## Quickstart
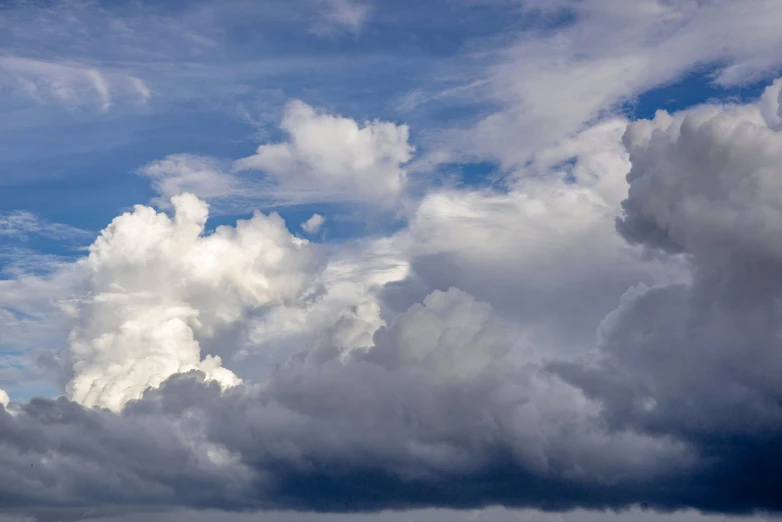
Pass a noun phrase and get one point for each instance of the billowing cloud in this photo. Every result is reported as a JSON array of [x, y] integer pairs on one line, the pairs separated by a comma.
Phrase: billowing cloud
[[597, 330], [157, 285], [397, 390], [334, 158], [515, 249], [434, 404], [698, 361]]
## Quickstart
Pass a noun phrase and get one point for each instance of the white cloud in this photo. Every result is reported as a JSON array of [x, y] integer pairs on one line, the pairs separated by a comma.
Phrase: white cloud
[[73, 85], [550, 84], [4, 399], [770, 104], [545, 252], [345, 15], [333, 158], [203, 176], [313, 224], [326, 159], [158, 286], [343, 306], [22, 224]]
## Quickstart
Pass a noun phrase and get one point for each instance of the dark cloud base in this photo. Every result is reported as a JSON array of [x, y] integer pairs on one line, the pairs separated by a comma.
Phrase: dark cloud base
[[134, 462]]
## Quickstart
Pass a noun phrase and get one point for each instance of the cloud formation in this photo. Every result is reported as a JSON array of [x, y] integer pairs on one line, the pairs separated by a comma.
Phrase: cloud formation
[[327, 158], [22, 224], [396, 393], [550, 83], [73, 85], [597, 330], [157, 285], [697, 361], [434, 404], [333, 157], [348, 15], [313, 224]]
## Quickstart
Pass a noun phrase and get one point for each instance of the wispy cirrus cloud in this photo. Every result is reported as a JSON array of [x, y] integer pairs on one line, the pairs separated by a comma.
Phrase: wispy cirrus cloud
[[340, 15], [23, 225], [72, 85]]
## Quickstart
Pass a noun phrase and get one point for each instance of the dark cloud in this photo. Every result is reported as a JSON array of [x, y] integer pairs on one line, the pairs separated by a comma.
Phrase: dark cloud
[[435, 414], [699, 362]]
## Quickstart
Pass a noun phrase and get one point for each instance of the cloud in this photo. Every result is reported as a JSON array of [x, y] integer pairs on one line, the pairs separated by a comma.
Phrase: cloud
[[391, 401], [157, 286], [331, 158], [326, 159], [598, 332], [697, 361], [343, 306], [514, 248], [313, 224], [22, 224], [549, 84], [72, 85], [4, 399], [205, 177], [346, 15], [398, 416]]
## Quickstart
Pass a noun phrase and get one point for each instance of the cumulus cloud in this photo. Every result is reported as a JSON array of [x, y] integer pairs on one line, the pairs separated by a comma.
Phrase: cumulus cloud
[[343, 306], [313, 224], [600, 332], [334, 158], [433, 404], [388, 400], [698, 360], [158, 284], [327, 158], [515, 249]]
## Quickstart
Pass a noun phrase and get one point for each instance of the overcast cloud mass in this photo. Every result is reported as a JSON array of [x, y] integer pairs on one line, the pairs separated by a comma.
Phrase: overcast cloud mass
[[343, 260]]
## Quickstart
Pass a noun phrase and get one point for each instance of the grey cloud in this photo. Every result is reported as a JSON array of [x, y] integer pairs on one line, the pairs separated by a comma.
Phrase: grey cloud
[[699, 362], [434, 414]]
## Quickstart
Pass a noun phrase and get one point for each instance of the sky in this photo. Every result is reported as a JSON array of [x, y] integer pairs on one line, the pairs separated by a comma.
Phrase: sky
[[355, 260]]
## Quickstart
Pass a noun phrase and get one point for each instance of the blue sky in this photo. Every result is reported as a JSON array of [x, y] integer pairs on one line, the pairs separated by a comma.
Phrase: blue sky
[[219, 78], [506, 200]]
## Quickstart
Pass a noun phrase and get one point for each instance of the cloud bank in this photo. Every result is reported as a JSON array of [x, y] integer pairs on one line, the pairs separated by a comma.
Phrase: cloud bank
[[678, 398], [598, 329]]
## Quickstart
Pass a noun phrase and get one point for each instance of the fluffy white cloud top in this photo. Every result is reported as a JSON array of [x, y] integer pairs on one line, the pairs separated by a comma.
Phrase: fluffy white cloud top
[[157, 284]]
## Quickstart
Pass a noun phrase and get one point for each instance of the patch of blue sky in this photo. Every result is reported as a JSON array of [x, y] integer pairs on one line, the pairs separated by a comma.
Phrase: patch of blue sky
[[219, 79], [695, 88], [21, 377]]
